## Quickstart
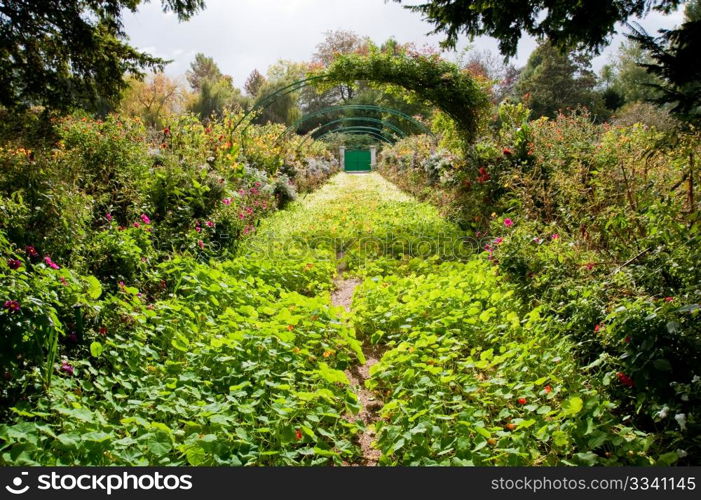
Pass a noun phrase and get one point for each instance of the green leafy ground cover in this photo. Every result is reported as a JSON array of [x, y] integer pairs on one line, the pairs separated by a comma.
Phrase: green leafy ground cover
[[241, 362]]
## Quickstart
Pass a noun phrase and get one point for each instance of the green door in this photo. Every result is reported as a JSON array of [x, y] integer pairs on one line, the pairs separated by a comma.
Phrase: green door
[[357, 160]]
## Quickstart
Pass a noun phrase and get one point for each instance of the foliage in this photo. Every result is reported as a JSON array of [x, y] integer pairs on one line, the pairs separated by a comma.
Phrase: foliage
[[429, 78], [567, 24], [553, 81], [73, 53]]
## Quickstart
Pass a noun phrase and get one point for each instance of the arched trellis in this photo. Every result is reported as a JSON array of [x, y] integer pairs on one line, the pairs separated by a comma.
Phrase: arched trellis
[[311, 135], [356, 107], [363, 119], [359, 131]]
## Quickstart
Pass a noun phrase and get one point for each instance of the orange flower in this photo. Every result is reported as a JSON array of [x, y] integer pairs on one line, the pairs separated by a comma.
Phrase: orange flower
[[290, 327]]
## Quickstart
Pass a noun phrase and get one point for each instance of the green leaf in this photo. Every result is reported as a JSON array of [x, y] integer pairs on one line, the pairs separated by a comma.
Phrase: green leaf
[[332, 376], [572, 406], [195, 456], [96, 349], [94, 287]]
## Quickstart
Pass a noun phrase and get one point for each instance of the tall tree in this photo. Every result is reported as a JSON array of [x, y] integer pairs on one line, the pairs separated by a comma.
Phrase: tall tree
[[337, 43], [626, 79], [676, 62], [552, 81], [69, 53], [254, 82], [203, 68], [153, 99]]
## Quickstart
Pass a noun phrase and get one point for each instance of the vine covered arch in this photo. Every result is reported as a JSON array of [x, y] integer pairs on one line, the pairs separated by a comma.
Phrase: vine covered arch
[[442, 83], [429, 78]]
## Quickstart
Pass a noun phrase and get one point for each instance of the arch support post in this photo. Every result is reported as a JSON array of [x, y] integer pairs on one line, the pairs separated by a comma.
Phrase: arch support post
[[373, 157], [342, 154]]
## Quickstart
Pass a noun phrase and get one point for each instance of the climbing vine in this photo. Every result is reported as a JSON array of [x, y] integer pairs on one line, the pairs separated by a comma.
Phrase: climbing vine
[[429, 78]]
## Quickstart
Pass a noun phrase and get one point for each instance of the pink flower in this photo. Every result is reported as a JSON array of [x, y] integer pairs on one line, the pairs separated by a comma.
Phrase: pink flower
[[108, 216], [145, 219], [257, 184], [200, 243], [555, 236], [242, 215], [12, 306], [137, 225], [248, 229], [198, 229], [209, 223], [67, 368], [226, 201], [508, 222], [14, 264], [669, 299], [537, 240], [121, 285], [254, 191], [51, 263], [499, 240]]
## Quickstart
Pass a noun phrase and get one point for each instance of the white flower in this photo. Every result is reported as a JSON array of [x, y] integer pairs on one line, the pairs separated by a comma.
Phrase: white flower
[[682, 453], [681, 420], [663, 412], [695, 379]]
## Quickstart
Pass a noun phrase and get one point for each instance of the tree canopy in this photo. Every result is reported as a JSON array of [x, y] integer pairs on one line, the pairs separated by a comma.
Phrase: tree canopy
[[566, 23], [71, 53]]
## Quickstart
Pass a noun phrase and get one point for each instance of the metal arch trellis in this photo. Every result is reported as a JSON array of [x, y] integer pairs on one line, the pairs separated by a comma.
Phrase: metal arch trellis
[[362, 119], [356, 107], [266, 100], [358, 130]]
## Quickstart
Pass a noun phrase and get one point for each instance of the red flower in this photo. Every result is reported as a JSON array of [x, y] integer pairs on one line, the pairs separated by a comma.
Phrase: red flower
[[166, 131], [298, 434], [12, 306], [597, 328], [103, 331], [547, 388], [14, 264], [669, 299], [31, 251], [522, 401], [627, 339], [589, 265], [625, 379], [507, 152], [508, 222]]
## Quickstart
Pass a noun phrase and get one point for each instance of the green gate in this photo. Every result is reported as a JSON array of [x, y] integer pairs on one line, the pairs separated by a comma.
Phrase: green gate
[[357, 160]]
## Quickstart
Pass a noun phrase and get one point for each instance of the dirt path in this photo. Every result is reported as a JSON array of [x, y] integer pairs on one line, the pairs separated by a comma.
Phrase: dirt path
[[358, 374]]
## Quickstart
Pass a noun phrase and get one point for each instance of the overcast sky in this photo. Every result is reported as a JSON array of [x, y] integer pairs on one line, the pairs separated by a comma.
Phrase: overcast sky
[[242, 35]]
